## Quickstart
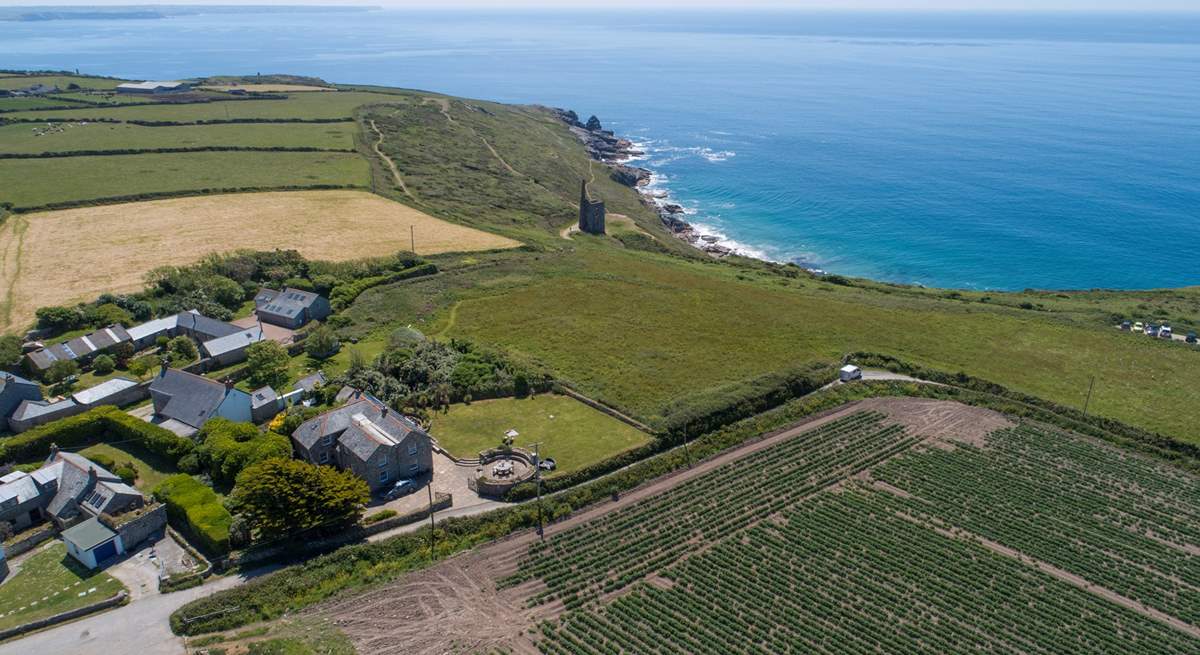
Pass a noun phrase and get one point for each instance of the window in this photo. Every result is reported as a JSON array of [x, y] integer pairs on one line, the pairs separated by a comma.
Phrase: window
[[383, 460], [412, 449], [383, 476], [324, 458], [327, 440], [414, 468]]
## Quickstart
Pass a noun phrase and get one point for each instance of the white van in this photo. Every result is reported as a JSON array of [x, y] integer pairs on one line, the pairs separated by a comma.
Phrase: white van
[[850, 372]]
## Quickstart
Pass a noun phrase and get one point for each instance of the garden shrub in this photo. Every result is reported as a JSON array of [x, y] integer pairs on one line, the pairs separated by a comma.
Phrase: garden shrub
[[379, 516], [196, 511], [227, 447]]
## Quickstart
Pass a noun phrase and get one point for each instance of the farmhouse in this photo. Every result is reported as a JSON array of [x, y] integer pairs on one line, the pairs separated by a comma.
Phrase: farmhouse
[[153, 87], [290, 308], [367, 438], [67, 488], [184, 401]]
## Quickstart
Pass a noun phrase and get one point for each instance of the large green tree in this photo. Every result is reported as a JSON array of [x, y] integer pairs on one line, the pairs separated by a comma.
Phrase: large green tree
[[268, 364], [278, 497]]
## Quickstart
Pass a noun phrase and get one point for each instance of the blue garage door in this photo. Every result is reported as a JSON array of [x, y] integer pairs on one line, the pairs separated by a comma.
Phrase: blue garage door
[[105, 551]]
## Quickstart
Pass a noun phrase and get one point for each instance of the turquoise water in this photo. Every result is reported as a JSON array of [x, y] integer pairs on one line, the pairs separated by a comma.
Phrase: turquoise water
[[997, 151]]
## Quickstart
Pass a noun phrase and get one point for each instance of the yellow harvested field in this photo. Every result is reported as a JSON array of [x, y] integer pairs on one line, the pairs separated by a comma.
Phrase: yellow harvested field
[[267, 88], [59, 257]]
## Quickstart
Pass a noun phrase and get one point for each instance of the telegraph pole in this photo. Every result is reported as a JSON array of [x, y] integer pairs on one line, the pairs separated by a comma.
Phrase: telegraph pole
[[412, 238], [1088, 401], [686, 452], [537, 459], [432, 552]]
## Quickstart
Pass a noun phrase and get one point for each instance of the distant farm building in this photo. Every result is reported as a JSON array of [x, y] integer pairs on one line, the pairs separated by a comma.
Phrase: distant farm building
[[151, 87]]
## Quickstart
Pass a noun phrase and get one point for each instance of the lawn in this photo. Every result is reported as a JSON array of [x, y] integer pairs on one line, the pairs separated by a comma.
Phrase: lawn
[[296, 105], [32, 102], [49, 582], [36, 182], [60, 137], [574, 434], [151, 468]]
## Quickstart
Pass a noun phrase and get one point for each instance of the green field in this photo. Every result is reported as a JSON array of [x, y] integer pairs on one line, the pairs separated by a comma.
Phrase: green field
[[35, 182], [572, 433], [151, 468], [49, 582], [61, 137], [61, 81], [25, 103], [642, 332], [781, 549], [297, 105]]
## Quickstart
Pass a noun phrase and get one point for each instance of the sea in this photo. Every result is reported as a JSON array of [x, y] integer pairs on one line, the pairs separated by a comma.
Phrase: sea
[[969, 150]]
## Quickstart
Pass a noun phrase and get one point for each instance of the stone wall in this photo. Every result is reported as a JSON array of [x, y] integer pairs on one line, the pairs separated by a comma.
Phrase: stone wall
[[63, 617], [29, 541], [141, 524]]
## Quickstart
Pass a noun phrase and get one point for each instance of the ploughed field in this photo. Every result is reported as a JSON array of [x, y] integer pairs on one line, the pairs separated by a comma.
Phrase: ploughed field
[[890, 526]]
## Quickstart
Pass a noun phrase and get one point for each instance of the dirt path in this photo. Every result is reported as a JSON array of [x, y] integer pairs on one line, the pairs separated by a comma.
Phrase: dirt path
[[444, 107], [391, 164]]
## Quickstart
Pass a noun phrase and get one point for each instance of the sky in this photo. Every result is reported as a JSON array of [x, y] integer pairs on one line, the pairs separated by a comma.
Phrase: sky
[[902, 5]]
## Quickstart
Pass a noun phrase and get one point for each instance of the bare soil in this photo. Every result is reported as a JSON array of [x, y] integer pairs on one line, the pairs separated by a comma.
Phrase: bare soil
[[127, 240]]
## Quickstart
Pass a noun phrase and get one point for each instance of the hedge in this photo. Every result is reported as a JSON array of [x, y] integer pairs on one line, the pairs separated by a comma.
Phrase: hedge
[[105, 423], [158, 195], [195, 510], [152, 151], [343, 294]]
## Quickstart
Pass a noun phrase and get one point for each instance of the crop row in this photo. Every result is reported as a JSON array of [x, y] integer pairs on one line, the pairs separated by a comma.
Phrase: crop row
[[623, 547], [843, 574], [1113, 519]]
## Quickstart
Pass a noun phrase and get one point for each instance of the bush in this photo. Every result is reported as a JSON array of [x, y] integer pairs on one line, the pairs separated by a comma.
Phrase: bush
[[227, 447], [127, 472], [342, 295], [321, 343], [268, 363], [61, 371], [280, 497], [104, 461], [182, 350], [59, 318], [196, 511], [105, 423], [104, 364]]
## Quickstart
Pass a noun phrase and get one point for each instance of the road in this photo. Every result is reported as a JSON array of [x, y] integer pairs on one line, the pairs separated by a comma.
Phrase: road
[[141, 627]]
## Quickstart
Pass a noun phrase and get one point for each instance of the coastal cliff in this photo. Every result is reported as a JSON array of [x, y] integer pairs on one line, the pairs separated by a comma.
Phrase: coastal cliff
[[606, 147]]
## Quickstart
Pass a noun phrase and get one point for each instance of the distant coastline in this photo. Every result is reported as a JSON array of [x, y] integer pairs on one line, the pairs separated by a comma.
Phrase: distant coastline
[[44, 13]]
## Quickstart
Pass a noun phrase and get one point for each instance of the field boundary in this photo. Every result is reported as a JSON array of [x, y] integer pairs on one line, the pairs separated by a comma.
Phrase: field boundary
[[165, 151], [63, 617]]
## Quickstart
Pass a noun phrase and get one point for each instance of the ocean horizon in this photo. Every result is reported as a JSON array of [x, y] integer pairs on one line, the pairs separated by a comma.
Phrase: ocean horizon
[[969, 150]]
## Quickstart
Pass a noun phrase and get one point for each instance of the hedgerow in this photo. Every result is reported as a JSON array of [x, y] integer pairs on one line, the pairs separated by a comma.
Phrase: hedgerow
[[196, 510], [105, 423], [343, 294]]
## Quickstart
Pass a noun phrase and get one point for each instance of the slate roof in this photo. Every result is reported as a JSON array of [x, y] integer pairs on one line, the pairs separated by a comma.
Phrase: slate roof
[[21, 487], [310, 382], [103, 390], [88, 534], [189, 398], [229, 343], [33, 408], [151, 328], [208, 328], [263, 396], [361, 427], [7, 379], [289, 302], [82, 346], [74, 482]]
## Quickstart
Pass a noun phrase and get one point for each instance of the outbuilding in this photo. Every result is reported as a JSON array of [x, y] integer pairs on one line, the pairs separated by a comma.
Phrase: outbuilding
[[850, 372], [92, 543]]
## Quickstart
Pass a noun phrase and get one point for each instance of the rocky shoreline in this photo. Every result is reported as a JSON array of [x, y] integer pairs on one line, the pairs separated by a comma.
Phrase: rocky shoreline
[[606, 147]]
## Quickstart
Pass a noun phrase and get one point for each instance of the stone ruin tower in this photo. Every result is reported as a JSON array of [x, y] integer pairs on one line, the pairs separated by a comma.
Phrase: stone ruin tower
[[591, 212]]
